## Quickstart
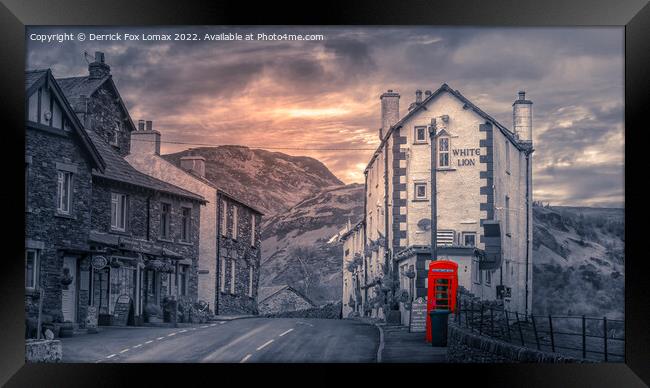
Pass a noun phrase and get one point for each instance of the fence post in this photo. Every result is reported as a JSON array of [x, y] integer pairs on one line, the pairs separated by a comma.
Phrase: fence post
[[550, 325], [532, 318], [584, 337], [480, 325], [508, 325], [521, 334], [605, 337]]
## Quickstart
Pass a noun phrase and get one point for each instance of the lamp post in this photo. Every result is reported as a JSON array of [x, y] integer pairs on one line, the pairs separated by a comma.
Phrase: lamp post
[[434, 210]]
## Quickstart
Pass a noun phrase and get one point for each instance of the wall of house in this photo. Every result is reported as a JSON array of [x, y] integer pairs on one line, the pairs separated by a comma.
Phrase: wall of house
[[285, 300], [44, 228], [243, 253], [158, 167], [353, 245], [105, 116]]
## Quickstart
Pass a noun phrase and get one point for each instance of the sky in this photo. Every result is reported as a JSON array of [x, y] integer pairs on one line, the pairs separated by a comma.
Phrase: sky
[[321, 98]]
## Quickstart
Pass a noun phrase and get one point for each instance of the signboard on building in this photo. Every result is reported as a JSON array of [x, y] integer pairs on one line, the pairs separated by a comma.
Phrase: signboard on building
[[121, 311], [99, 262], [418, 322], [91, 319]]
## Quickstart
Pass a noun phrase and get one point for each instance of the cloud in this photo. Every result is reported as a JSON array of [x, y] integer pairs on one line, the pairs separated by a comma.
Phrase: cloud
[[325, 94]]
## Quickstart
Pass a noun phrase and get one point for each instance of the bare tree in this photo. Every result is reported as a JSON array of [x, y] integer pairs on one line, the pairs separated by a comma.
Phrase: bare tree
[[309, 276]]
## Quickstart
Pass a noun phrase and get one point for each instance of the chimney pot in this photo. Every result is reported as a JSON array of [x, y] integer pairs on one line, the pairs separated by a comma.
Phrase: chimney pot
[[140, 125], [522, 95], [418, 96], [389, 111], [98, 69], [149, 126], [427, 93]]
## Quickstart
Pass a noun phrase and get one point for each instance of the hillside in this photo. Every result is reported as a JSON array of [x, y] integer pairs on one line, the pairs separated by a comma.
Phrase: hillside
[[272, 181], [579, 261], [297, 246]]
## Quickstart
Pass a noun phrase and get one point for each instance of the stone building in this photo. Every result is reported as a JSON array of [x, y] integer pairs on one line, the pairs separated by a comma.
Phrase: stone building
[[483, 197], [277, 299], [59, 160], [353, 269], [144, 232], [229, 243]]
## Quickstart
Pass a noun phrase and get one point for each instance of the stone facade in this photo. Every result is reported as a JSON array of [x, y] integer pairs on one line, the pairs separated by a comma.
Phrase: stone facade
[[145, 156], [241, 248], [483, 176], [51, 234], [43, 351], [284, 300]]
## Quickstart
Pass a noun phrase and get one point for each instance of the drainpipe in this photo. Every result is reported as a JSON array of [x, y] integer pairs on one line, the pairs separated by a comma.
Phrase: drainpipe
[[528, 182], [218, 274], [434, 210], [363, 252]]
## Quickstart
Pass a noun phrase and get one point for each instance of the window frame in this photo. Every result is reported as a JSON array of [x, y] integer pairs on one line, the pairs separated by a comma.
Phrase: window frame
[[224, 218], [507, 157], [165, 230], [466, 234], [477, 276], [415, 191], [250, 281], [235, 222], [506, 210], [186, 224], [488, 278], [253, 230], [416, 139], [35, 269], [61, 174], [124, 211], [223, 275], [440, 153], [233, 271]]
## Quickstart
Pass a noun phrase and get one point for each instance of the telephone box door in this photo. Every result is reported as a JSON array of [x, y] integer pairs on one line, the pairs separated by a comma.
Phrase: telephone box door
[[442, 283]]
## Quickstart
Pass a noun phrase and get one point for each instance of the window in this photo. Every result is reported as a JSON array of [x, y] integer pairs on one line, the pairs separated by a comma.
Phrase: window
[[476, 272], [253, 237], [31, 268], [232, 276], [165, 218], [186, 222], [118, 211], [488, 278], [224, 218], [443, 152], [115, 134], [421, 190], [182, 280], [250, 281], [223, 274], [507, 157], [469, 239], [64, 192], [420, 134], [507, 215], [235, 225]]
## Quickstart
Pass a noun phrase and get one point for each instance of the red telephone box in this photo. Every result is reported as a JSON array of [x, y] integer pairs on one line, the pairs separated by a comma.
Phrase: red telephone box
[[442, 281]]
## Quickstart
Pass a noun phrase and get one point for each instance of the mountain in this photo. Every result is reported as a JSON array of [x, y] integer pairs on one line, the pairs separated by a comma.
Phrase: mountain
[[272, 181], [578, 261], [298, 248]]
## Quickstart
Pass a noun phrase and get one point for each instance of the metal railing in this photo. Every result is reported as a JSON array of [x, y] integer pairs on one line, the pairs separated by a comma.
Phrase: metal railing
[[596, 339]]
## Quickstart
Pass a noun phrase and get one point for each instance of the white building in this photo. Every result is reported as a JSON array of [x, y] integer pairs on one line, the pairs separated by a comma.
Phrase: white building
[[482, 183]]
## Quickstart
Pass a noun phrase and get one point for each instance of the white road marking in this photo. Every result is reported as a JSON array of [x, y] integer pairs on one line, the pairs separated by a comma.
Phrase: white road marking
[[246, 358], [160, 338], [137, 346], [304, 323], [213, 325], [222, 322], [265, 344], [111, 356], [171, 334], [148, 342], [286, 332], [182, 331], [204, 327], [124, 350]]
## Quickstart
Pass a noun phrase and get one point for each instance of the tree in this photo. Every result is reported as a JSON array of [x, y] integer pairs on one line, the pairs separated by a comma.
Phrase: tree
[[309, 277]]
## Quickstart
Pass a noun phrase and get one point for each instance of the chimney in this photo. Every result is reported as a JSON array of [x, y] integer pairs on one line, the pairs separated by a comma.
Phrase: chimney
[[194, 164], [389, 111], [418, 96], [98, 69], [427, 93], [522, 118], [145, 141]]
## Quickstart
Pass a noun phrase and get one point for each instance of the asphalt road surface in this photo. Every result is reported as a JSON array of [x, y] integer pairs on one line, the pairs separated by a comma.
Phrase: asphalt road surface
[[242, 340]]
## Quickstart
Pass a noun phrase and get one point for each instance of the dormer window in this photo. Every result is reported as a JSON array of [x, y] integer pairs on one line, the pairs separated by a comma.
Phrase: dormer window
[[443, 151]]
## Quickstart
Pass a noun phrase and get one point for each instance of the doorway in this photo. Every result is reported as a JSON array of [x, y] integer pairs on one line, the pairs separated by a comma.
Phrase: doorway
[[69, 292]]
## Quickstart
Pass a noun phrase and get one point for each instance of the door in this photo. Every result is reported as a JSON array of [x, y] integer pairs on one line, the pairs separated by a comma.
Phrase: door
[[69, 295]]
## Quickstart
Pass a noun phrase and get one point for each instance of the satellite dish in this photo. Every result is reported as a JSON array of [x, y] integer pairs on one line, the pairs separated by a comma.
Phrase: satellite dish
[[424, 224]]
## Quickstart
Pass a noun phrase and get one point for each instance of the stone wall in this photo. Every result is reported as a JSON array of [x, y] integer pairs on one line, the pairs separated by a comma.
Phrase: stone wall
[[106, 117], [328, 311], [463, 346], [43, 351], [243, 253], [285, 300]]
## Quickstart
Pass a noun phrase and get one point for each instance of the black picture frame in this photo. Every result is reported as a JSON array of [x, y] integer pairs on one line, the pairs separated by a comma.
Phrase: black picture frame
[[633, 14]]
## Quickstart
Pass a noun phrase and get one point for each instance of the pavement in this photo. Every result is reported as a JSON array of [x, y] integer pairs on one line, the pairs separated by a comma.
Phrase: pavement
[[230, 340], [399, 345]]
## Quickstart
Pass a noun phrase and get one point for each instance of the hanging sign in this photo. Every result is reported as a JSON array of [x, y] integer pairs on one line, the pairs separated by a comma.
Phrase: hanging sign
[[99, 262]]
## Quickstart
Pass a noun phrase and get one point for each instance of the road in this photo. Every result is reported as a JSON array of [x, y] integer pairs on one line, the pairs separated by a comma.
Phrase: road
[[241, 340]]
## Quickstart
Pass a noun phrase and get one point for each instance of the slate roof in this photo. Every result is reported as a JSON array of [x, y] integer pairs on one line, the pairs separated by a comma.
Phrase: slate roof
[[31, 76], [265, 293], [118, 169], [76, 86]]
